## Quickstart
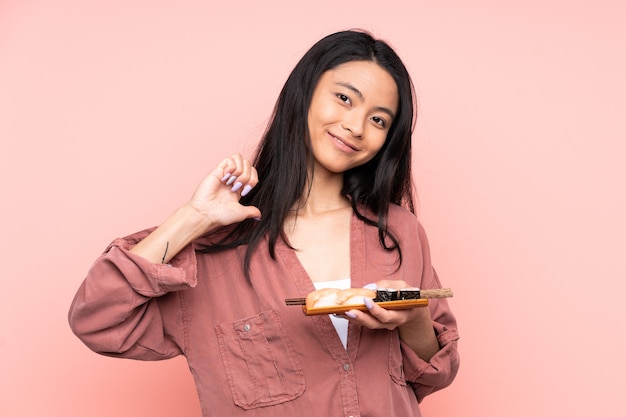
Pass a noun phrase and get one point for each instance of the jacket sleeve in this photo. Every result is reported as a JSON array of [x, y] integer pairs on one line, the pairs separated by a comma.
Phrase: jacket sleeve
[[440, 371], [129, 307]]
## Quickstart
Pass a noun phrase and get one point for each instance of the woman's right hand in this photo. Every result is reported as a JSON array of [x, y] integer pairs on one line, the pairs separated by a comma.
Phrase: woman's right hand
[[215, 203], [217, 197]]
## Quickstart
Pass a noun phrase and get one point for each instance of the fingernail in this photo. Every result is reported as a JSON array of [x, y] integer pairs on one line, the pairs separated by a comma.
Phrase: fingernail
[[231, 180], [258, 219], [368, 303], [237, 186], [350, 314], [246, 190], [225, 177]]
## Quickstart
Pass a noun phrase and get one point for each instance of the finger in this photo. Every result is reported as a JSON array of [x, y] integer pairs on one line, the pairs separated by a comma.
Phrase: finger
[[378, 317], [240, 162], [375, 310], [253, 180], [241, 176], [246, 180], [366, 320], [396, 284], [252, 212], [227, 168]]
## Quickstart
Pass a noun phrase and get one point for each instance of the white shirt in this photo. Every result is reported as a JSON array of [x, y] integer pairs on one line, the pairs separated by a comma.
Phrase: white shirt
[[341, 325]]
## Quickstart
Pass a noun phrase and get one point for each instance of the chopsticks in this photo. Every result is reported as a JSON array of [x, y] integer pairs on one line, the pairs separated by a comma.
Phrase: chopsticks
[[392, 295]]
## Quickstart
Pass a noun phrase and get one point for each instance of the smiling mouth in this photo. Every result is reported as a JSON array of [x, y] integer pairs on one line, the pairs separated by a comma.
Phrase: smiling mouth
[[341, 142]]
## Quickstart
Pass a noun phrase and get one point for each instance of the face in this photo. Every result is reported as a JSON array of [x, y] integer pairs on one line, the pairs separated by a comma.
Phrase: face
[[351, 111]]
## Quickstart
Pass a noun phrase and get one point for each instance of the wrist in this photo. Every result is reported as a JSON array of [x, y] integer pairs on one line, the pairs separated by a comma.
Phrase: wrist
[[193, 221], [420, 334]]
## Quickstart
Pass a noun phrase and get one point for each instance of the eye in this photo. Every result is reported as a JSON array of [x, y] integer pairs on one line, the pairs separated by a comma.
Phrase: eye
[[344, 98], [379, 121]]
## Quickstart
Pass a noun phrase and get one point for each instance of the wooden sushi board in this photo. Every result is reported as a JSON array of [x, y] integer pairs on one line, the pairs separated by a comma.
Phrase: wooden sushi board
[[390, 299], [389, 305]]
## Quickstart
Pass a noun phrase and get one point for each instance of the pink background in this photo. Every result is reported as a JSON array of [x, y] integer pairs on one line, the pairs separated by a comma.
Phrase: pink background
[[111, 111]]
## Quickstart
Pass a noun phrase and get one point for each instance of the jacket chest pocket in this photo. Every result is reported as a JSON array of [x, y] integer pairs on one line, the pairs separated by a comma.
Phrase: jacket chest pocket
[[260, 362]]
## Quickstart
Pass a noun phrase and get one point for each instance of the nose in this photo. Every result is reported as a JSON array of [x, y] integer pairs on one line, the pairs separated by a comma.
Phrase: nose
[[353, 123]]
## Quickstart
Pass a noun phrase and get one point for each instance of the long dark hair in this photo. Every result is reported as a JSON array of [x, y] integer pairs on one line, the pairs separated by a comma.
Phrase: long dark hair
[[284, 162]]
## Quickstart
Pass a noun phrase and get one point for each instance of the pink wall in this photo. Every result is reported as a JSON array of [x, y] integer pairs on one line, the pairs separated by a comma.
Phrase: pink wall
[[111, 112]]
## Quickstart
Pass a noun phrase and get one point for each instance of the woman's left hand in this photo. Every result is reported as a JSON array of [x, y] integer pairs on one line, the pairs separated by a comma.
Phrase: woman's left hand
[[414, 324], [379, 318]]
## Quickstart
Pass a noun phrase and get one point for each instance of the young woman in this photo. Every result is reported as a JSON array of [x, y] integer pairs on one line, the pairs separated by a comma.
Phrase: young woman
[[326, 203]]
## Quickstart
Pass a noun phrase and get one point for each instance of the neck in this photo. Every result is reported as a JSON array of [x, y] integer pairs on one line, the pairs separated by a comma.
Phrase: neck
[[324, 194]]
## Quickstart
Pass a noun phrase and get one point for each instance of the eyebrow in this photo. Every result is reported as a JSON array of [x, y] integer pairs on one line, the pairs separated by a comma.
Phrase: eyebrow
[[358, 93]]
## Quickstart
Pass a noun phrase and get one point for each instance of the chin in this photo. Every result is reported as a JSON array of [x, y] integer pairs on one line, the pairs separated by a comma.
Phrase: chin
[[332, 168]]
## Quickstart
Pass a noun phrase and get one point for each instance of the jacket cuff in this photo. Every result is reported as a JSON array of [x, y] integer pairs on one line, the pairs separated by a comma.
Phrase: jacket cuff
[[179, 274], [442, 367]]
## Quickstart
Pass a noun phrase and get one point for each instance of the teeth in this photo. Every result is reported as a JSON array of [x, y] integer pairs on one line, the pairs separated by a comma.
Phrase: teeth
[[344, 143]]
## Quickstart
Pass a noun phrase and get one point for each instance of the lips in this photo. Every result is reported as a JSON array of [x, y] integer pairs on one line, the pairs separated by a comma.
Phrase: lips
[[343, 142]]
